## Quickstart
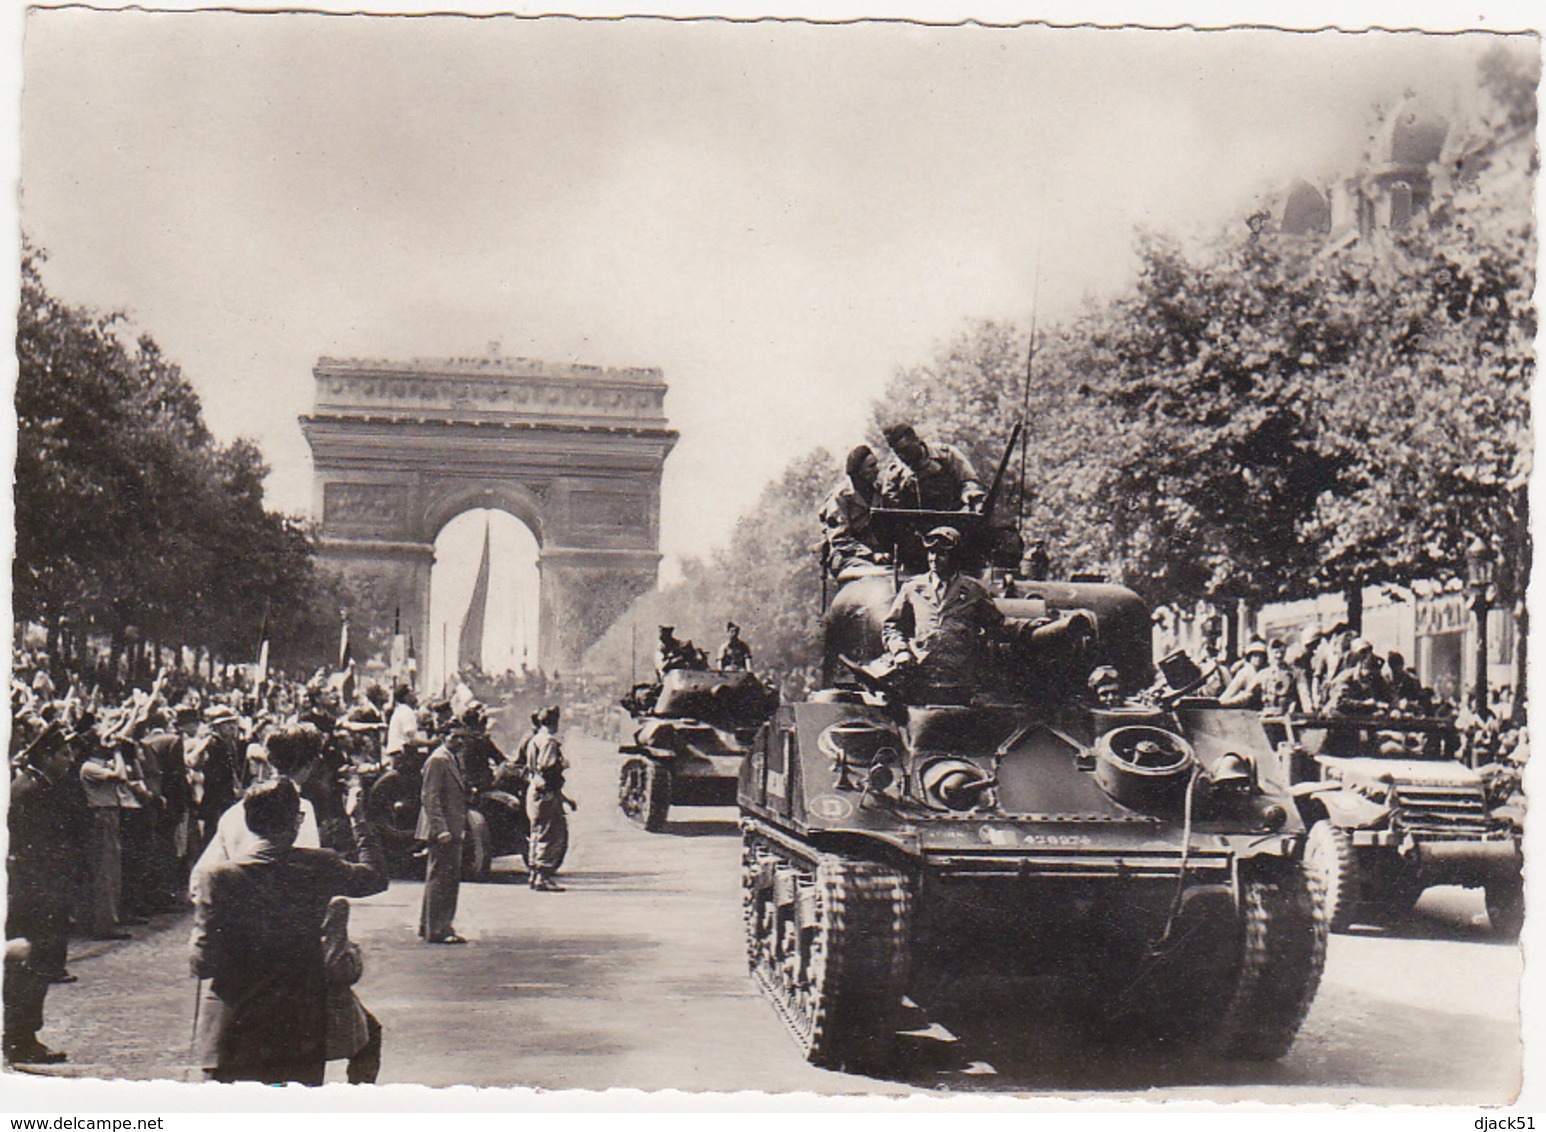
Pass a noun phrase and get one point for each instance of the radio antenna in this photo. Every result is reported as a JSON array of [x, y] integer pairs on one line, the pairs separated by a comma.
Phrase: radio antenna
[[1030, 362]]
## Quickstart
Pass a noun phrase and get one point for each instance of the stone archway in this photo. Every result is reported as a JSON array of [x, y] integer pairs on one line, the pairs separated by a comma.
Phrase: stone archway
[[574, 452]]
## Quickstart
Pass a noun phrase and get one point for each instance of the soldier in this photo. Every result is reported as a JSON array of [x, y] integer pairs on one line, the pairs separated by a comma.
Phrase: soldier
[[545, 803], [847, 540], [1243, 689], [937, 620], [929, 477], [671, 654], [1360, 686], [1405, 687], [734, 654]]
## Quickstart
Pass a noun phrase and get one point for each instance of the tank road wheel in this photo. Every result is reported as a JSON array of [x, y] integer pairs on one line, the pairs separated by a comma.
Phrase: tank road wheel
[[1333, 866], [477, 848], [644, 792], [1282, 954], [757, 867], [828, 946], [1506, 905]]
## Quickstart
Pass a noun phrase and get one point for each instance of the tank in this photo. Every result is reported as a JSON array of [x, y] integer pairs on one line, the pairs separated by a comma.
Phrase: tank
[[693, 732], [1148, 852]]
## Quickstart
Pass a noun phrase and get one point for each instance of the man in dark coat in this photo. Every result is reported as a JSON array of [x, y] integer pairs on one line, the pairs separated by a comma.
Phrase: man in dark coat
[[161, 757], [257, 938], [442, 826], [37, 911]]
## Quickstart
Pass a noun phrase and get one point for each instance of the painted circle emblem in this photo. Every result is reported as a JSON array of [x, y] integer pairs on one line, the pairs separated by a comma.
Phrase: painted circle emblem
[[830, 807]]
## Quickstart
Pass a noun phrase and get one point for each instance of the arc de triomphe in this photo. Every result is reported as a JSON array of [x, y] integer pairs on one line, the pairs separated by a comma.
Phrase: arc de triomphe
[[574, 452]]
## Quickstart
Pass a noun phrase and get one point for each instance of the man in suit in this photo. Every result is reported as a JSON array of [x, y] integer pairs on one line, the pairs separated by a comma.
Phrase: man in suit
[[442, 826], [257, 938]]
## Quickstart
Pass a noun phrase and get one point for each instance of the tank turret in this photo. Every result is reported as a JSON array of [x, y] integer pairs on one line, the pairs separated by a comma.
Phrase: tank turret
[[693, 730], [1042, 821]]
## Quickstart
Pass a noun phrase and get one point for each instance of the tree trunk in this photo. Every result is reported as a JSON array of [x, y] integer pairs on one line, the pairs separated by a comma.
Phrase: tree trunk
[[1521, 667], [1354, 596]]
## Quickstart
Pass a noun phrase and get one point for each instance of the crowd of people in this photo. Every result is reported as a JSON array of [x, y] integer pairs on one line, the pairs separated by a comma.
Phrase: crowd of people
[[1335, 672], [247, 804]]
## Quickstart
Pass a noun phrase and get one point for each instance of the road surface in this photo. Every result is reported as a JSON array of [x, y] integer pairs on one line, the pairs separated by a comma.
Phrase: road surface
[[636, 978]]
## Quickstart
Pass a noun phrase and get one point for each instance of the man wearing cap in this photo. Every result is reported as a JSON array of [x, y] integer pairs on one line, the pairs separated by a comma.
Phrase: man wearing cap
[[442, 826], [218, 760], [929, 477], [734, 654], [847, 539], [937, 619]]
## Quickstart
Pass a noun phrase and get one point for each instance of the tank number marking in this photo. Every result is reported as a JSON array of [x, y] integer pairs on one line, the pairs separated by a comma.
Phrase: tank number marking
[[1058, 839], [831, 807], [776, 783], [1008, 838]]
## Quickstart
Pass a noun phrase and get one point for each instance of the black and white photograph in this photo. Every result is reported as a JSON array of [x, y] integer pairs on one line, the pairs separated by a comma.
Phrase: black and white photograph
[[966, 556]]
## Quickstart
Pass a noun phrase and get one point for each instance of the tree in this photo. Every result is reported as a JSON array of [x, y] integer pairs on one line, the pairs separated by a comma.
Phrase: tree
[[130, 519]]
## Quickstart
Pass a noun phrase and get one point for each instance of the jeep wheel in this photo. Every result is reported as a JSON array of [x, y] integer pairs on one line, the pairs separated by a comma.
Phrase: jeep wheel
[[1506, 905], [1333, 867]]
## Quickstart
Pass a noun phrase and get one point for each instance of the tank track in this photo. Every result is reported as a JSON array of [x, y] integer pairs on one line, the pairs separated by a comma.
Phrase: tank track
[[1283, 951], [827, 942], [644, 792]]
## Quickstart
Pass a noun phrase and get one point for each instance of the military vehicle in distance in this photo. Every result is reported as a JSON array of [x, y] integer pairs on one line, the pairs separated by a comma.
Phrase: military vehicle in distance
[[691, 738], [497, 825], [891, 843], [1392, 810]]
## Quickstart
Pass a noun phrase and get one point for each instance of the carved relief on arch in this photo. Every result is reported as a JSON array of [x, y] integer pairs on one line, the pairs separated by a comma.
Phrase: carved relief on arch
[[373, 507]]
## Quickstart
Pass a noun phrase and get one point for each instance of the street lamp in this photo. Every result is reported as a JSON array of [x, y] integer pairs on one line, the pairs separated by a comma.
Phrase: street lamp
[[1479, 562]]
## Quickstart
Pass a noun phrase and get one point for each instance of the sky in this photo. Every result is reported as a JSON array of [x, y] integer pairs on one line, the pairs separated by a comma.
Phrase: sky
[[778, 215]]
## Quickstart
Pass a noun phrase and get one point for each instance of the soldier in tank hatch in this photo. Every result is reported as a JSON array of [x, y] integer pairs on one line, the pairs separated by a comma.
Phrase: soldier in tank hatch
[[929, 476], [734, 653], [848, 540], [937, 621]]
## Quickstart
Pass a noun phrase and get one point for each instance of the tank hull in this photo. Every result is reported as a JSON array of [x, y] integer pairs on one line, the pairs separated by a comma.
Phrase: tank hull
[[1046, 876]]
